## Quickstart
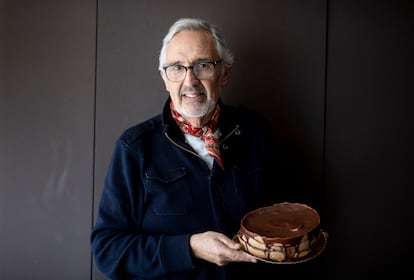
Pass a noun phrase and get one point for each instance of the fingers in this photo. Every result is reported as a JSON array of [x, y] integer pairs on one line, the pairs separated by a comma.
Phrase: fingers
[[229, 242], [218, 248], [236, 255], [231, 251]]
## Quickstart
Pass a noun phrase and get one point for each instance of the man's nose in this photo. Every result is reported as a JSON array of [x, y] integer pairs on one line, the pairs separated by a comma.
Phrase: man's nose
[[190, 78]]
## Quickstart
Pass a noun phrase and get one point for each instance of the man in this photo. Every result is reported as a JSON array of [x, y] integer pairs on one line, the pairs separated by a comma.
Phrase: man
[[179, 183]]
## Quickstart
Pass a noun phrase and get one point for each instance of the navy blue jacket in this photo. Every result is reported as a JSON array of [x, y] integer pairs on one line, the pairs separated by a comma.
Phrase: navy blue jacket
[[158, 192]]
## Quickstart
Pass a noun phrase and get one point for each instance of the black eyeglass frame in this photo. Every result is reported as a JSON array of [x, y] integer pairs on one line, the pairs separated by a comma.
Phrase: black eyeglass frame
[[191, 67]]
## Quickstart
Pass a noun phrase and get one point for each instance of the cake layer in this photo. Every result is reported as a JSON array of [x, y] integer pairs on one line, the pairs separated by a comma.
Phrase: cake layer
[[308, 244]]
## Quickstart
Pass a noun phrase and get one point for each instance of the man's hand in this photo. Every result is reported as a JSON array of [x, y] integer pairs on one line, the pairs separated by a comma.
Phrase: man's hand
[[217, 248]]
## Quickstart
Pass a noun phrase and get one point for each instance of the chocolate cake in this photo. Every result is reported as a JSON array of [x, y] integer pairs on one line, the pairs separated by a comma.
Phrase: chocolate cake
[[283, 232]]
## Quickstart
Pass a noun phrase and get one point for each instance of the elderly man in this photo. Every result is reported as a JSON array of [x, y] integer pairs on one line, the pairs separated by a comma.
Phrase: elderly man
[[179, 183]]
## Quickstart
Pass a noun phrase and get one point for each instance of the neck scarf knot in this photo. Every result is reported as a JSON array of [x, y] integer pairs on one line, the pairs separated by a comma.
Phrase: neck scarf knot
[[206, 133]]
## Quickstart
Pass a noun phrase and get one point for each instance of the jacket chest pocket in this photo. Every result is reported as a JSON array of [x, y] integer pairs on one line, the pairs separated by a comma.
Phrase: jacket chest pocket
[[168, 191]]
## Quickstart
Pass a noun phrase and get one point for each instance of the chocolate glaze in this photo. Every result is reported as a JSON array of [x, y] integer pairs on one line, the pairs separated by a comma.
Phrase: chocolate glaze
[[281, 222]]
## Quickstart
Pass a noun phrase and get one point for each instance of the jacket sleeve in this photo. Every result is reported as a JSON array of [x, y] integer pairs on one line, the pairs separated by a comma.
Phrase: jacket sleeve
[[120, 249]]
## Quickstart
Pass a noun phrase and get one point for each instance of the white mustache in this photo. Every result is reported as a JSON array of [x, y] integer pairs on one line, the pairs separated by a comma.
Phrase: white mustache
[[199, 89]]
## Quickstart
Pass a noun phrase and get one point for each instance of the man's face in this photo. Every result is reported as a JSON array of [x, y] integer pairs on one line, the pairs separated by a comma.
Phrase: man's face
[[194, 98]]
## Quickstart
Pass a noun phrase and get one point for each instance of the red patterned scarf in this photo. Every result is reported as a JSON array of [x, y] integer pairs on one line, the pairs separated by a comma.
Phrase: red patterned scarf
[[206, 133]]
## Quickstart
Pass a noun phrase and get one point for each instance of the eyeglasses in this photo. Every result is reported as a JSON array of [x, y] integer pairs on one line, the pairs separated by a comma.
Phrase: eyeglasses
[[201, 70]]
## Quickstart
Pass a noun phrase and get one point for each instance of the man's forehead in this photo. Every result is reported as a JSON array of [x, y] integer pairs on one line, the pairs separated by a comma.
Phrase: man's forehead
[[191, 46]]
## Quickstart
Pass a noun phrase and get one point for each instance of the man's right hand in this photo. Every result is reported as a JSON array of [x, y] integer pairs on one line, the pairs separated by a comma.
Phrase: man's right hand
[[217, 248]]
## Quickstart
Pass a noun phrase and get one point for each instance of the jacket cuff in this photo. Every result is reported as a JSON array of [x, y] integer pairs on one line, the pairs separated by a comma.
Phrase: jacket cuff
[[176, 252]]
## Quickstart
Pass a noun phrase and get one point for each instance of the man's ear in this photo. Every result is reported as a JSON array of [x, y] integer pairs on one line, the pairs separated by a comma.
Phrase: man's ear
[[162, 74], [225, 75]]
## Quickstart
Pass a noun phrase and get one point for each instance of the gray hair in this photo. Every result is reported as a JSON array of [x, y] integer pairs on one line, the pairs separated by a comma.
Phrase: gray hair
[[197, 24]]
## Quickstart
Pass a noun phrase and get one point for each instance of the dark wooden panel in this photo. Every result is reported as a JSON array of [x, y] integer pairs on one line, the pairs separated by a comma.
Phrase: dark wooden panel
[[279, 71], [370, 136], [46, 138]]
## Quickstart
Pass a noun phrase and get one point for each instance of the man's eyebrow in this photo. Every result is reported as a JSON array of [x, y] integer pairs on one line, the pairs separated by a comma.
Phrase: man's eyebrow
[[202, 60], [198, 60], [173, 63]]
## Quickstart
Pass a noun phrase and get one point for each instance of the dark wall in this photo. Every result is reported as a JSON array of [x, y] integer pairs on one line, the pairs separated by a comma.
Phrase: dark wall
[[47, 103], [333, 77], [370, 137]]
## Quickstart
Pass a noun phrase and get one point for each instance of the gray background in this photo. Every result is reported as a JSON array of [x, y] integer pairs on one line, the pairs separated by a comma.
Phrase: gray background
[[335, 78]]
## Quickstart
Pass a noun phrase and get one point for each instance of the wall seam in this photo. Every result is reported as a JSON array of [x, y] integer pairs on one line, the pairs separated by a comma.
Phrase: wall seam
[[325, 98], [94, 129]]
